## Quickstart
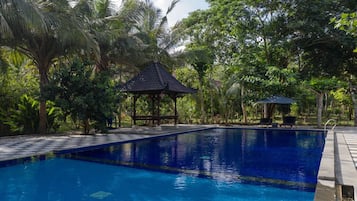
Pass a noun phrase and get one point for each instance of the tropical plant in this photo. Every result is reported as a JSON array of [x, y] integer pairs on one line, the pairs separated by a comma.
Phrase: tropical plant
[[17, 79], [44, 31], [25, 118]]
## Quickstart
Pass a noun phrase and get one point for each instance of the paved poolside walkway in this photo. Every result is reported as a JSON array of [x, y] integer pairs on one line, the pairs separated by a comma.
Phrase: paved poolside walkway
[[12, 148], [337, 179], [351, 140], [346, 165], [349, 135], [30, 145]]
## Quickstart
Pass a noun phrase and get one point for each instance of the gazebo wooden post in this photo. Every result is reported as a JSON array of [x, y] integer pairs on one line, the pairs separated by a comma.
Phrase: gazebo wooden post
[[134, 107], [152, 97], [175, 100], [158, 108]]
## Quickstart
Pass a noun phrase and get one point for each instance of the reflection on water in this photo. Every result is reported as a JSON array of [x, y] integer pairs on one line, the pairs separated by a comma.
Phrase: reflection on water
[[229, 154]]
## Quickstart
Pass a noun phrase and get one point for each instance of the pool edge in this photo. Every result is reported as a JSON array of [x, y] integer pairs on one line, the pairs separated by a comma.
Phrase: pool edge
[[325, 187]]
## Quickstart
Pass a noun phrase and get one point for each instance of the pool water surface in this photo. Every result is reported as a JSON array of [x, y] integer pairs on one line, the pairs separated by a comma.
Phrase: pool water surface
[[217, 164], [67, 180]]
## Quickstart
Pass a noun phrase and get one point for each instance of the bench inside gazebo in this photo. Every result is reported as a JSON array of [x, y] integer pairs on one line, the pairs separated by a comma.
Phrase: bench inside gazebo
[[154, 82]]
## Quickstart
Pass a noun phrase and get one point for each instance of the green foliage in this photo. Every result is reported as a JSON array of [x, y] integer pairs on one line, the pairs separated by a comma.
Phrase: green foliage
[[83, 94], [44, 31], [323, 85], [347, 22], [18, 79], [238, 51], [25, 118], [323, 50], [271, 47]]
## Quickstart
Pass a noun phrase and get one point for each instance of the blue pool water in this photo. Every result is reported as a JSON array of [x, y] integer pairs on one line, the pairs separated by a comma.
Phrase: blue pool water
[[67, 180], [218, 164]]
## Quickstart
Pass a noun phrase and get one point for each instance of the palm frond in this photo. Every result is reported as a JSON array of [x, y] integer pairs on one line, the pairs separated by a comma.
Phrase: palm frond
[[172, 6], [83, 10], [102, 8], [5, 30], [3, 64], [17, 16]]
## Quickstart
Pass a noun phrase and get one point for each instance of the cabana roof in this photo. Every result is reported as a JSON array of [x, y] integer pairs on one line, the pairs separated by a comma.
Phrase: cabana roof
[[154, 79], [277, 100]]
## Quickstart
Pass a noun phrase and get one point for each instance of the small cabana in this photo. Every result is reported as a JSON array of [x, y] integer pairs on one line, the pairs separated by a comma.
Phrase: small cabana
[[155, 82], [269, 106], [270, 102]]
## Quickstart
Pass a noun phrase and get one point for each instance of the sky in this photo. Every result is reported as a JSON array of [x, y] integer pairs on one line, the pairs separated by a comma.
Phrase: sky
[[181, 10]]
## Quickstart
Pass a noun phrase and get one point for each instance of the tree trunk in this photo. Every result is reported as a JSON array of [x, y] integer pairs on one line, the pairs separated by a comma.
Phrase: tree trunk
[[203, 113], [242, 105], [211, 105], [320, 105], [202, 101], [86, 126], [354, 101], [43, 110]]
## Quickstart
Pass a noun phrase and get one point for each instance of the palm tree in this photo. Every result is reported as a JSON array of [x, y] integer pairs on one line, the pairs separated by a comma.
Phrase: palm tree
[[201, 59], [44, 31], [153, 30], [132, 35], [112, 30]]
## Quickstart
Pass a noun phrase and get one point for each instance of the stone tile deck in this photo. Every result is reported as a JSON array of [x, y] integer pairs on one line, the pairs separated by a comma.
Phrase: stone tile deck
[[31, 145], [12, 148], [351, 141], [337, 179]]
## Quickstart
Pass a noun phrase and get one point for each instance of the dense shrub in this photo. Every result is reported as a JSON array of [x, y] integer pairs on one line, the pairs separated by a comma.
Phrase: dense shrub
[[86, 96]]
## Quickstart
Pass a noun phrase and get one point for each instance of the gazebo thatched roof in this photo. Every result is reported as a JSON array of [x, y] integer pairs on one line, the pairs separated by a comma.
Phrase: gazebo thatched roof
[[154, 79]]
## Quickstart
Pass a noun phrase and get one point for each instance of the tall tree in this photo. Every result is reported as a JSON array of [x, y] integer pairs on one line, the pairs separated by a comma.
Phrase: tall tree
[[153, 30], [347, 22], [201, 59], [44, 31], [112, 29], [246, 36], [321, 50], [321, 87]]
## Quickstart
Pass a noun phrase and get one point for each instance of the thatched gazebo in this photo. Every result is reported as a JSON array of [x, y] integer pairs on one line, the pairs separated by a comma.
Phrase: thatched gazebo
[[155, 82]]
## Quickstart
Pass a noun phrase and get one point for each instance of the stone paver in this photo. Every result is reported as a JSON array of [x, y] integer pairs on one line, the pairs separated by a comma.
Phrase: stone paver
[[351, 141], [346, 158], [25, 146], [12, 148]]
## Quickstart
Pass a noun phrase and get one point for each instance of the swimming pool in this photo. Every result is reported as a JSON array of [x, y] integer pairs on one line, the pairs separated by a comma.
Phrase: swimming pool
[[217, 164]]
